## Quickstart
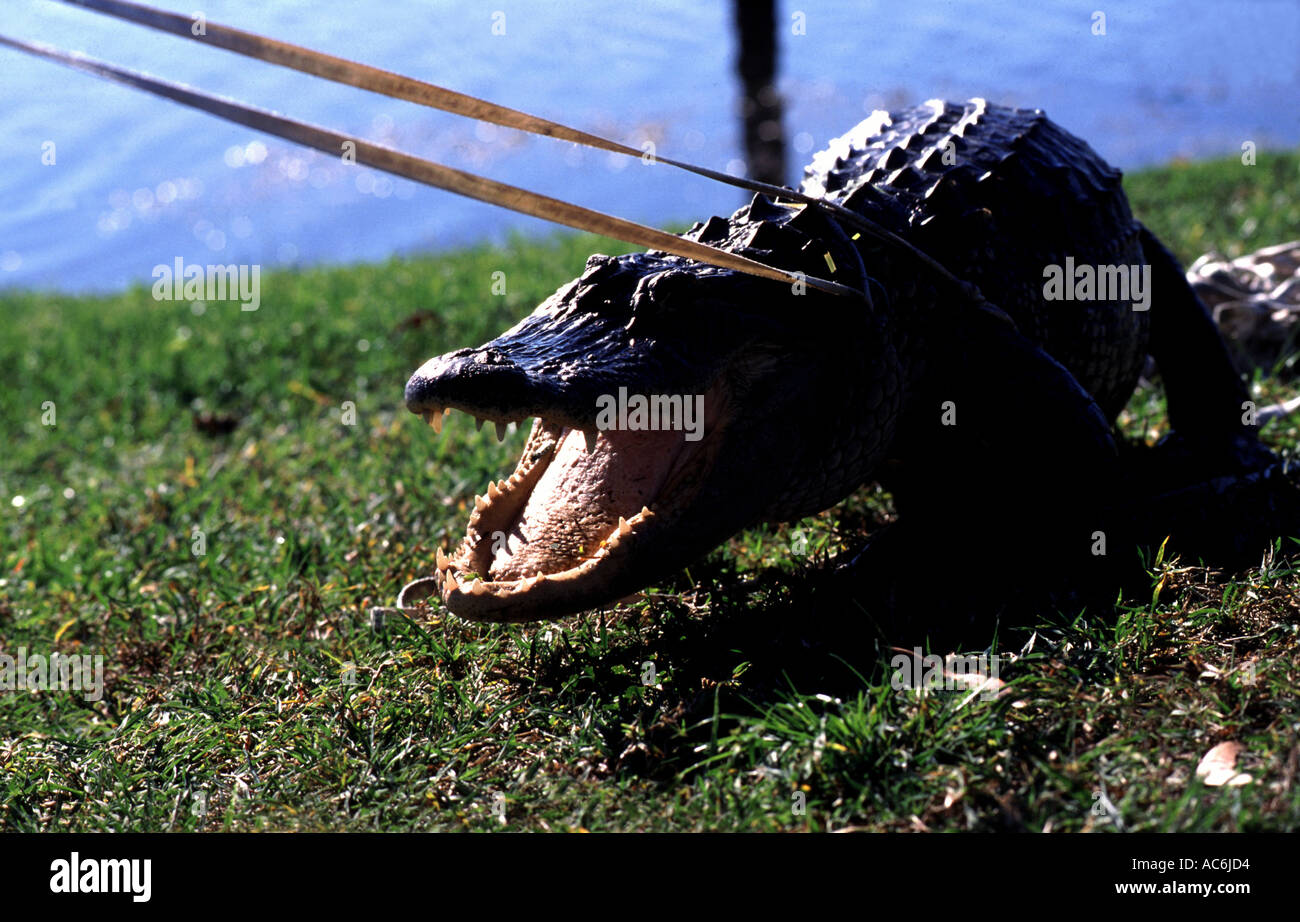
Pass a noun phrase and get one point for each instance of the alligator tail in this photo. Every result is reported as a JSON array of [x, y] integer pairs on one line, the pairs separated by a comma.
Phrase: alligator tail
[[1206, 395]]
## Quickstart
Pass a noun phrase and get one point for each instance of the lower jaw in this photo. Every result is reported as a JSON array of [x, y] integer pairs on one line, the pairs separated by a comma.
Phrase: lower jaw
[[531, 588], [600, 580]]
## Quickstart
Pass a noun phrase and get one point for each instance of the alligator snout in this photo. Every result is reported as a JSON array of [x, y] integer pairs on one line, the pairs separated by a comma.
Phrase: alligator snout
[[495, 386]]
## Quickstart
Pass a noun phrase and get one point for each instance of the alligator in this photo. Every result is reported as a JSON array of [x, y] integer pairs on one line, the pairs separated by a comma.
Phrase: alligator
[[980, 393]]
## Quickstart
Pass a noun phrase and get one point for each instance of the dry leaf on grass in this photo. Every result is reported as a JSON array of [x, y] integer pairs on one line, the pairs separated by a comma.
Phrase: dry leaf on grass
[[1218, 767]]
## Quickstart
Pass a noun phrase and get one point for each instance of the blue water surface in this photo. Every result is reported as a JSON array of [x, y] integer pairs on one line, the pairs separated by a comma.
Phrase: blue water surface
[[137, 181]]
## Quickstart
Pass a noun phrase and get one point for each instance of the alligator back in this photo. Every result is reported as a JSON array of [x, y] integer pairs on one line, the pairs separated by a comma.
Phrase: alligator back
[[996, 195]]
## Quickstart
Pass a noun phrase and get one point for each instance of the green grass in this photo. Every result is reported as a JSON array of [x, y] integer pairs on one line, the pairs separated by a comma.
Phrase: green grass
[[247, 688]]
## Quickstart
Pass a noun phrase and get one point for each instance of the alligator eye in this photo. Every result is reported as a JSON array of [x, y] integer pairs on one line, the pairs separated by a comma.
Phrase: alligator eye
[[666, 289]]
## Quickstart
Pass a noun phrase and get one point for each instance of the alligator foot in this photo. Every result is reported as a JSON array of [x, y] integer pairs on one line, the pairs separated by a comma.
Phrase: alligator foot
[[1224, 515]]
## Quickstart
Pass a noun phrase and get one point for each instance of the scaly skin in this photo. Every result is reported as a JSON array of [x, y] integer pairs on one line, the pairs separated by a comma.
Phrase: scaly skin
[[1014, 193], [808, 396]]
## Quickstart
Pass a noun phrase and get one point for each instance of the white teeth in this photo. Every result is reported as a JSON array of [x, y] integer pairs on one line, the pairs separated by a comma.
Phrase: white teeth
[[452, 585], [443, 563], [646, 513], [591, 437], [623, 527], [501, 432], [435, 417]]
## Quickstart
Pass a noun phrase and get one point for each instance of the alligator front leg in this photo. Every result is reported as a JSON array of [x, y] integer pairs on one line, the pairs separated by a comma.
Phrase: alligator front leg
[[1007, 482]]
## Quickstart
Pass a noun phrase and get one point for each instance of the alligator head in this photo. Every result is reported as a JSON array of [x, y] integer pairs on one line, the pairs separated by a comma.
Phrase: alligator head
[[752, 412]]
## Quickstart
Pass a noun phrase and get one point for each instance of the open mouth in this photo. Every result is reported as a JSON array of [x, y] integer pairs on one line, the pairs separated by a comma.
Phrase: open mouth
[[559, 534]]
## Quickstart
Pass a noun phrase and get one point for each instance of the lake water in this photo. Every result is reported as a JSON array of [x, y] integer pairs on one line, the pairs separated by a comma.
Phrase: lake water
[[138, 181]]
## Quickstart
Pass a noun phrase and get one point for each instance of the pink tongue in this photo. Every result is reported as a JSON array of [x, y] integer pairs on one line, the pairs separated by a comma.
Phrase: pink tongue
[[576, 504]]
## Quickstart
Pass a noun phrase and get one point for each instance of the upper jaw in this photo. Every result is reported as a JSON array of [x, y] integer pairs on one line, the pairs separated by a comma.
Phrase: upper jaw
[[557, 369], [607, 329], [509, 381]]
